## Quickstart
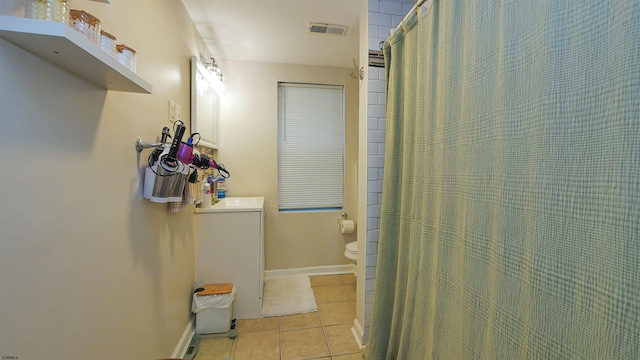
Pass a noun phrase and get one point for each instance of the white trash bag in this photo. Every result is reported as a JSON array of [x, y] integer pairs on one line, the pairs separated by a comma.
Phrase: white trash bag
[[221, 301]]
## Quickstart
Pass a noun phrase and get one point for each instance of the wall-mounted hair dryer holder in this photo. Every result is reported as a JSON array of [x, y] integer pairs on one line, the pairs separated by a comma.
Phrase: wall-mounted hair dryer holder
[[168, 165], [166, 175], [141, 145]]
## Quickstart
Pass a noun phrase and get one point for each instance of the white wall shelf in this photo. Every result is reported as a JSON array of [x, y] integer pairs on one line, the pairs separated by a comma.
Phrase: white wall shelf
[[59, 44]]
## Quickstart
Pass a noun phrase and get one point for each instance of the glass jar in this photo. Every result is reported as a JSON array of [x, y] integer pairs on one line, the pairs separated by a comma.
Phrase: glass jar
[[86, 24], [108, 43], [36, 9], [126, 56], [58, 10], [93, 28], [77, 21], [53, 10]]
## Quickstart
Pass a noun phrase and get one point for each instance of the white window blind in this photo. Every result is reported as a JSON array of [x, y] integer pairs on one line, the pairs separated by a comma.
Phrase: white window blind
[[310, 147]]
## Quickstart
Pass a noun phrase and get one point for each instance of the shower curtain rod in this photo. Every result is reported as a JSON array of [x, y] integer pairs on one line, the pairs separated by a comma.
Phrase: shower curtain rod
[[415, 7]]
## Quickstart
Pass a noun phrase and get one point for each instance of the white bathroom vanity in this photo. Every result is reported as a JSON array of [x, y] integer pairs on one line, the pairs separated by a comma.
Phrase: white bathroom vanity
[[229, 249]]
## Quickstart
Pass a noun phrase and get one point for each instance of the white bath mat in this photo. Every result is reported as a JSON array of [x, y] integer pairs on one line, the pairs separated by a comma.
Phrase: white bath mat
[[285, 295]]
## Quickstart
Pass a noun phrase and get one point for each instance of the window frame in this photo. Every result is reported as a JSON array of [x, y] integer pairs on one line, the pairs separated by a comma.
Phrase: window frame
[[293, 200]]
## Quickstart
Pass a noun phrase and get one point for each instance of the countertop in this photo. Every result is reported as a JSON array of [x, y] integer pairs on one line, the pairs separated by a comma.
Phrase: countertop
[[235, 204]]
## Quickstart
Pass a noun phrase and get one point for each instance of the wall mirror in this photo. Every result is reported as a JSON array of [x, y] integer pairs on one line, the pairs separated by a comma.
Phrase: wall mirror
[[206, 85]]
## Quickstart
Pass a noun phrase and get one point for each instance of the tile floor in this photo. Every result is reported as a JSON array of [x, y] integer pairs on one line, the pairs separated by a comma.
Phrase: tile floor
[[322, 335]]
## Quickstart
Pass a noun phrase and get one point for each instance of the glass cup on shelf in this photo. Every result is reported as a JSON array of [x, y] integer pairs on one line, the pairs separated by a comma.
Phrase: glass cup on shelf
[[36, 9], [52, 10], [86, 24], [126, 56], [58, 10], [108, 43], [93, 28]]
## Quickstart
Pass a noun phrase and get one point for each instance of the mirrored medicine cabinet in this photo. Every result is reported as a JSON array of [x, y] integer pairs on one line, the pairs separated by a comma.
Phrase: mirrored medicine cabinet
[[206, 87]]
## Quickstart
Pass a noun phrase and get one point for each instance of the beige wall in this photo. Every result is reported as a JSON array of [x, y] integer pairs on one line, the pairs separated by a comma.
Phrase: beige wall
[[248, 148], [88, 269]]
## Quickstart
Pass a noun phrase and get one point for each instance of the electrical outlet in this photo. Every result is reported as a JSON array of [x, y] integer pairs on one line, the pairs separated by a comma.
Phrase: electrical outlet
[[178, 112], [172, 111]]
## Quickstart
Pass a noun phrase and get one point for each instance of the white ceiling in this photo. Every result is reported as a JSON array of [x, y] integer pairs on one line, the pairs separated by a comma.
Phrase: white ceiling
[[276, 30]]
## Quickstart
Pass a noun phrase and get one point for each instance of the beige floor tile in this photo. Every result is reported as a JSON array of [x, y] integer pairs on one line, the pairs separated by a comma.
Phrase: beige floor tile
[[356, 356], [257, 325], [341, 339], [214, 348], [263, 346], [329, 294], [347, 279], [324, 280], [351, 291], [299, 321], [303, 344], [336, 313]]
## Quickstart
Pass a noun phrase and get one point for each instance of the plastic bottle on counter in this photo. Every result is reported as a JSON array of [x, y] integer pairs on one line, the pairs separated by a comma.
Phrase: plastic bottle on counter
[[206, 196], [222, 191]]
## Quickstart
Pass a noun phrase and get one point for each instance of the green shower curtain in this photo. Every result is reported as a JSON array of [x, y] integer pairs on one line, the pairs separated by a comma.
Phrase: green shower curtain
[[510, 221]]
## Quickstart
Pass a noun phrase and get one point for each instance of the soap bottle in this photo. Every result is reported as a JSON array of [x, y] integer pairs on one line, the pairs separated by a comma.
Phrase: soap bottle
[[206, 196]]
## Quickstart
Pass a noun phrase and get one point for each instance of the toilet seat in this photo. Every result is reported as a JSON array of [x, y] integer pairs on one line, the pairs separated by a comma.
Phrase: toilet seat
[[351, 251]]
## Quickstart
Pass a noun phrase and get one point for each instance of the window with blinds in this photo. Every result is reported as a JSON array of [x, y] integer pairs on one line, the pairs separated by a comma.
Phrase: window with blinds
[[310, 147]]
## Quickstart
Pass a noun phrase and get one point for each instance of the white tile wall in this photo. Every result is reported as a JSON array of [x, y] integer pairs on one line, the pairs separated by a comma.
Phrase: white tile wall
[[390, 7], [383, 16]]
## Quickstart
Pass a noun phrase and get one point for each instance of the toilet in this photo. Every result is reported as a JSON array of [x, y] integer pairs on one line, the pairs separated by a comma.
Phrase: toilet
[[351, 251]]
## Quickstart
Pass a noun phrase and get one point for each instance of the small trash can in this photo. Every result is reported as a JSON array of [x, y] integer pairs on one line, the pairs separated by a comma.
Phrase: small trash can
[[213, 312]]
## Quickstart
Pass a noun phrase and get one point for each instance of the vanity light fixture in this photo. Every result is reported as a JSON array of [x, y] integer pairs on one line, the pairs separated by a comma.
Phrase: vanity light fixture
[[215, 78]]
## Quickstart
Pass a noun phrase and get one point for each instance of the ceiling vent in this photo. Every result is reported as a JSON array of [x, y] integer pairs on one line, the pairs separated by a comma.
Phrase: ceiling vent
[[329, 29]]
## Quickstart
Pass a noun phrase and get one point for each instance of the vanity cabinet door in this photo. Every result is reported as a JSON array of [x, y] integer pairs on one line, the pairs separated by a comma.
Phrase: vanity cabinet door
[[229, 250]]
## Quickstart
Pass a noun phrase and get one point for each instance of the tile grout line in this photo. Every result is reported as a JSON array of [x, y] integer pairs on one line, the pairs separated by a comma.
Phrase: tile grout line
[[279, 339], [326, 342]]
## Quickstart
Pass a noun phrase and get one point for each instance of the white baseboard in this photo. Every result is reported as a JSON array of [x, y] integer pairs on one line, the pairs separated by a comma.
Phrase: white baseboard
[[313, 271], [185, 340], [358, 333]]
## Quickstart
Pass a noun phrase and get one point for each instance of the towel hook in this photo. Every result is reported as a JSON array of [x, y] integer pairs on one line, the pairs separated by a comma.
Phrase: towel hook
[[360, 71]]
